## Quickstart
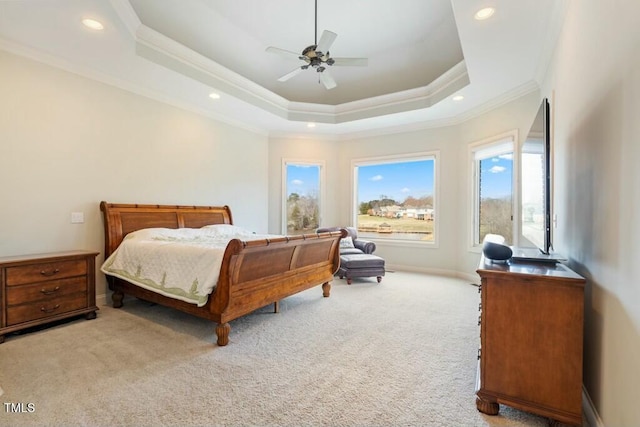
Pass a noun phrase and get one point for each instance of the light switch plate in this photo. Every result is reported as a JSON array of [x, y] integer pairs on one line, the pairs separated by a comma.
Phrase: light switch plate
[[77, 217]]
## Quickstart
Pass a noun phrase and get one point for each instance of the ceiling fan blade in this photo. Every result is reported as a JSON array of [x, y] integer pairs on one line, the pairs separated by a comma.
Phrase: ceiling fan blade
[[326, 40], [327, 80], [350, 62], [290, 74], [283, 52]]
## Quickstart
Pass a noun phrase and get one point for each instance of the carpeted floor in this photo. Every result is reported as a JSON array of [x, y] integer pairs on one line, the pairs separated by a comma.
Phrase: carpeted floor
[[399, 353]]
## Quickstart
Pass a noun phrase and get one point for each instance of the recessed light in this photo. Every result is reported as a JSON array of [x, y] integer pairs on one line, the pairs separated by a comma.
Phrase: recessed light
[[93, 24], [458, 98], [214, 95], [311, 125], [484, 13]]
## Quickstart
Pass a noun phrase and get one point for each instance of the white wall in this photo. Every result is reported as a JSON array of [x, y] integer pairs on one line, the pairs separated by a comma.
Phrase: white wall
[[68, 142], [595, 82]]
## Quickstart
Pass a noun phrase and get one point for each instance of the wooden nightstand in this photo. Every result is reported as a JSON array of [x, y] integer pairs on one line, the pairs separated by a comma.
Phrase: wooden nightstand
[[42, 288]]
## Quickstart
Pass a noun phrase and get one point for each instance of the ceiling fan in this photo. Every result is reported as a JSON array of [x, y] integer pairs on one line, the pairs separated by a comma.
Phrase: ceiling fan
[[317, 57]]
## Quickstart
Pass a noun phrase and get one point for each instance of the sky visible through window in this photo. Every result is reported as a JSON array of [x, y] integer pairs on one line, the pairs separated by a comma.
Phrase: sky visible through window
[[396, 181], [400, 180], [496, 176], [303, 180]]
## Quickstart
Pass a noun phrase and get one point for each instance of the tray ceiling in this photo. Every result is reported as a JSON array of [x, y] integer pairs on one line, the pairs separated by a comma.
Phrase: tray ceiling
[[420, 53]]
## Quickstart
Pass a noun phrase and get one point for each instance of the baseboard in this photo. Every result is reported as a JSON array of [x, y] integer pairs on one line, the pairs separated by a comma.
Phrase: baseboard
[[413, 269], [101, 299], [472, 278], [591, 417]]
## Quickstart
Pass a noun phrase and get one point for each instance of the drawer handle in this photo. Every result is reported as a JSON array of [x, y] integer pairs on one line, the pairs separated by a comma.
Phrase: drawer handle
[[50, 273], [50, 310], [53, 291]]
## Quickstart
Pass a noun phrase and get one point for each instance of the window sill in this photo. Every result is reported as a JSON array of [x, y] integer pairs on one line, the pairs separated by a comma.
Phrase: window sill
[[404, 243]]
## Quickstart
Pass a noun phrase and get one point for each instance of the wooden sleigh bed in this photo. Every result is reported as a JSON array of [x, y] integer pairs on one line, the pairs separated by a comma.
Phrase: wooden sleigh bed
[[254, 273]]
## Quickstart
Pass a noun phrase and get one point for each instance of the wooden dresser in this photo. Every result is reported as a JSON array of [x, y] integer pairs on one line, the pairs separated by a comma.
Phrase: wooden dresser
[[530, 355], [37, 289]]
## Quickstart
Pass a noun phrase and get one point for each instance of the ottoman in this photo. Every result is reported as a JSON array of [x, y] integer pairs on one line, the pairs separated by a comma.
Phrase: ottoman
[[361, 265]]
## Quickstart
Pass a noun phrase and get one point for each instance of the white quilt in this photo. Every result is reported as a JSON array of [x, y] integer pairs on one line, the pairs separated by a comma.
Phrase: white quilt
[[181, 263]]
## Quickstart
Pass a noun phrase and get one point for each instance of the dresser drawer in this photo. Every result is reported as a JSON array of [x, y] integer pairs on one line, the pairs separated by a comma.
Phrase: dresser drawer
[[48, 308], [45, 291], [45, 271]]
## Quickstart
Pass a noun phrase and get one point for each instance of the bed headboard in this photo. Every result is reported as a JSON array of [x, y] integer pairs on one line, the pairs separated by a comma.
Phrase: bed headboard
[[122, 219]]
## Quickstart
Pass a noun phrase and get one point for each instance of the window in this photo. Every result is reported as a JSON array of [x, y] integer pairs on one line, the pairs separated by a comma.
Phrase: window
[[533, 189], [395, 198], [493, 188], [302, 201]]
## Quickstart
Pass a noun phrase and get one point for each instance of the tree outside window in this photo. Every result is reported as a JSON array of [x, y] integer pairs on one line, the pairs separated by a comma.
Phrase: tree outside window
[[495, 208], [302, 202], [493, 172]]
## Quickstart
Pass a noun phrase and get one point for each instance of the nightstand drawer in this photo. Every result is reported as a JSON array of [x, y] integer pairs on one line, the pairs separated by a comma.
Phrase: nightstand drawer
[[45, 291], [45, 271], [48, 308]]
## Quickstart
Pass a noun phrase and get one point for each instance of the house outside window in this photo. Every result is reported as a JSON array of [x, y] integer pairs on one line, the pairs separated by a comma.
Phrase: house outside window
[[302, 202], [493, 176], [395, 197]]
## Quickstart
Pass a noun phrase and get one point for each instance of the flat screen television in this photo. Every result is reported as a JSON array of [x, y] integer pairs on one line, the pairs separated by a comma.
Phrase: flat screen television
[[536, 181]]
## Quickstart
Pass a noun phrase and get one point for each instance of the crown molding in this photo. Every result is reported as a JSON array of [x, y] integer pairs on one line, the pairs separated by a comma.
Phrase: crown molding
[[451, 81], [127, 14], [299, 136], [90, 73], [164, 51], [170, 54], [499, 101], [399, 102], [473, 113]]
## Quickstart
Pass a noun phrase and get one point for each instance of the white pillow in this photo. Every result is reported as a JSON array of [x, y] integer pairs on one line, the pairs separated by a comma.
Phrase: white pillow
[[346, 242], [225, 230]]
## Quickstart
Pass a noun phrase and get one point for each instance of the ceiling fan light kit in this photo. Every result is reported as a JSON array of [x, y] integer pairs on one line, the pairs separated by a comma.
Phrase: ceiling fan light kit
[[317, 56]]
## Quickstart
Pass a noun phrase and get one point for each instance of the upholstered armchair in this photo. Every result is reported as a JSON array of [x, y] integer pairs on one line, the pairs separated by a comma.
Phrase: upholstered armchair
[[351, 244]]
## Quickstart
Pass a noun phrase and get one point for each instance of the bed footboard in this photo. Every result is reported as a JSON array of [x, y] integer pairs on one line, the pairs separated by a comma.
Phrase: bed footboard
[[258, 273]]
